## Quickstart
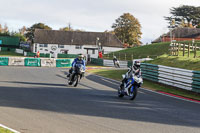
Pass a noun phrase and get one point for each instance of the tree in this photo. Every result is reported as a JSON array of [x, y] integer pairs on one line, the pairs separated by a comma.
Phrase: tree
[[4, 30], [1, 28], [185, 15], [22, 30], [67, 28], [128, 29], [30, 31]]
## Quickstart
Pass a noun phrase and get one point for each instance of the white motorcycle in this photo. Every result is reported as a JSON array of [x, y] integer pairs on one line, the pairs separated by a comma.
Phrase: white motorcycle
[[129, 87]]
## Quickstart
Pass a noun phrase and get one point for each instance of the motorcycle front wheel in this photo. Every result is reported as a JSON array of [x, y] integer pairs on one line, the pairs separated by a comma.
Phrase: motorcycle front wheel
[[133, 94], [76, 79], [120, 91]]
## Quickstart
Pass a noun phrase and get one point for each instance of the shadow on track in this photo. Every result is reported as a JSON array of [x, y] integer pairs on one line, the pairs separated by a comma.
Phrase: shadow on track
[[91, 101]]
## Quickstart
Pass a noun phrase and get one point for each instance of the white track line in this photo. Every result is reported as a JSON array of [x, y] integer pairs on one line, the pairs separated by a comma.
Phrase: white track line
[[152, 91], [9, 128]]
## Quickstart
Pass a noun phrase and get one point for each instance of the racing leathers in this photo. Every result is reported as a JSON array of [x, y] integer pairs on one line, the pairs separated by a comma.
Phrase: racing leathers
[[132, 70], [76, 61]]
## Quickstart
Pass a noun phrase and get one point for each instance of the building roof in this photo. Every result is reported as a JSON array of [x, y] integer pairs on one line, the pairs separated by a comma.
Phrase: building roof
[[181, 33], [76, 38], [185, 32]]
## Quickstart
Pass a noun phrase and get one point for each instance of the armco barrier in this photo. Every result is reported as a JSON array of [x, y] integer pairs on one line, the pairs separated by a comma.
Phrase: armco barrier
[[29, 54], [181, 78], [196, 81], [32, 62], [97, 61], [4, 61], [64, 62], [110, 63], [67, 55], [16, 61], [48, 62]]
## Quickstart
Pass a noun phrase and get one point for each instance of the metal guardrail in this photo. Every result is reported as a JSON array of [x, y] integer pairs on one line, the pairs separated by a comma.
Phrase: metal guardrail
[[181, 78], [123, 64]]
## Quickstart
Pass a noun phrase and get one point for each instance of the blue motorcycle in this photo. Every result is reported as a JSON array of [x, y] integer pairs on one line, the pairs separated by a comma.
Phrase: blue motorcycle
[[77, 74], [129, 87]]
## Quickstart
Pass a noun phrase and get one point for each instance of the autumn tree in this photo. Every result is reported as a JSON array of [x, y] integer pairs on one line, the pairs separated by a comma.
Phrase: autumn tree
[[67, 28], [22, 30], [30, 31], [4, 30], [128, 29], [185, 16]]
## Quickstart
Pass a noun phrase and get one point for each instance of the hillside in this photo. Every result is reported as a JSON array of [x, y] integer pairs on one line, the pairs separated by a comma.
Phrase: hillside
[[160, 53], [151, 51], [178, 61]]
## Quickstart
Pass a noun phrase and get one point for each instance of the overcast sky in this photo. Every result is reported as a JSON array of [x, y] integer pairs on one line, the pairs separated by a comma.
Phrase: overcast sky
[[89, 15]]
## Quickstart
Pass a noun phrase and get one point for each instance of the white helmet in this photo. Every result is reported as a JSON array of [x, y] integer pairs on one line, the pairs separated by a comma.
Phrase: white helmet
[[137, 64], [80, 57]]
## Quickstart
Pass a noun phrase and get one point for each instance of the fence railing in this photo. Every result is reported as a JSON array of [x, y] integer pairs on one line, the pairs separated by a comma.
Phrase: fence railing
[[181, 78], [126, 56], [178, 49]]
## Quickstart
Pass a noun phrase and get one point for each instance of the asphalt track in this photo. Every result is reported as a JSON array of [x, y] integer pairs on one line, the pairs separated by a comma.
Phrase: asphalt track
[[37, 100]]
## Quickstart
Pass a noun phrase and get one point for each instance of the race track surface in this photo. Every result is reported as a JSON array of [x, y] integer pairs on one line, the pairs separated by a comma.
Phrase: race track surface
[[37, 100]]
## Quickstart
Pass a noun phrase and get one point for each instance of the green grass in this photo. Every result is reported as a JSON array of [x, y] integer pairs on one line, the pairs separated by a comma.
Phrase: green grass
[[177, 61], [147, 84], [7, 53], [152, 51], [3, 130]]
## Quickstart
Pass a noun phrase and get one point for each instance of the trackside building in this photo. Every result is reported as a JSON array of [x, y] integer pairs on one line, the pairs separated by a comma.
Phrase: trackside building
[[74, 42]]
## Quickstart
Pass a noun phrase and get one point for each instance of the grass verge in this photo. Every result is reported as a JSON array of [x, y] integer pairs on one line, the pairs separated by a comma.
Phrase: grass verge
[[3, 130], [116, 74], [178, 61]]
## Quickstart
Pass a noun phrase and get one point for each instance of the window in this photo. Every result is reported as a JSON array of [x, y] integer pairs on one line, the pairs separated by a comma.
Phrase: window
[[93, 51], [46, 49], [41, 45], [78, 47], [60, 46]]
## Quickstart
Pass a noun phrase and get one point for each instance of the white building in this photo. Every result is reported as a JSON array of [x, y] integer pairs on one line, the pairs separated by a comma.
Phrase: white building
[[74, 42]]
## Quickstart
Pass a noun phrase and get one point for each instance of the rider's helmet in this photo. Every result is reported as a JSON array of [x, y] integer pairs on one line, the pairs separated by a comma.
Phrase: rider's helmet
[[137, 64], [114, 57], [80, 57]]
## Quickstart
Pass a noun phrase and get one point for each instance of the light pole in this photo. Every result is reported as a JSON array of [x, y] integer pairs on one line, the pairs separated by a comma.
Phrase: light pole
[[97, 39], [99, 47], [172, 25]]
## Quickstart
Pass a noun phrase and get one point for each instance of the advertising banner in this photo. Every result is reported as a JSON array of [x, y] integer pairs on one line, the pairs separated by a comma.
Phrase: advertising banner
[[4, 61], [48, 62], [16, 61], [32, 62], [64, 62]]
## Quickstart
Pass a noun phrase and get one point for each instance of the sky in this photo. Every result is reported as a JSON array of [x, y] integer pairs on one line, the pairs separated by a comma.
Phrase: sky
[[90, 15]]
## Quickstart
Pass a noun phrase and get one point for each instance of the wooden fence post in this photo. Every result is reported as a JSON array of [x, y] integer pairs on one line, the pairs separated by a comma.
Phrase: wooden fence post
[[176, 49], [183, 49], [195, 51], [189, 50], [179, 47]]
